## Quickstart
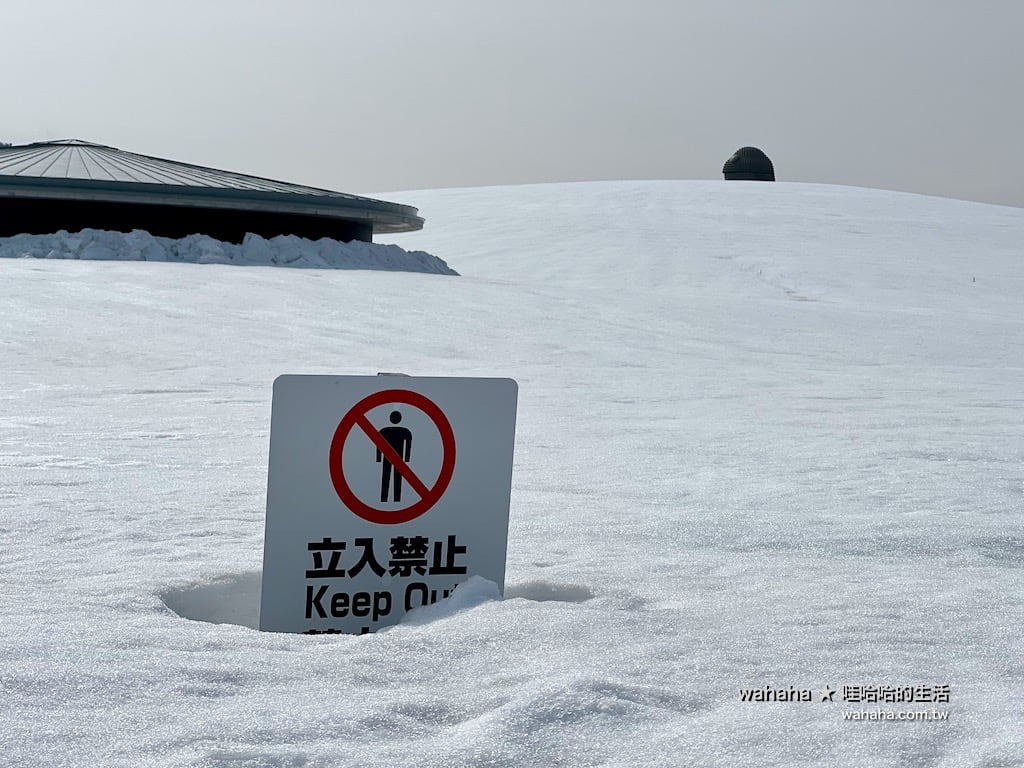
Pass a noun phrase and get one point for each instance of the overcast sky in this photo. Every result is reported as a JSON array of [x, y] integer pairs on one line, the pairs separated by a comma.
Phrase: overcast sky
[[916, 95]]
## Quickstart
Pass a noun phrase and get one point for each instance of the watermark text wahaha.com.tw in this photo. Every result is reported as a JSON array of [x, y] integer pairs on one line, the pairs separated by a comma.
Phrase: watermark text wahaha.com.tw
[[888, 714]]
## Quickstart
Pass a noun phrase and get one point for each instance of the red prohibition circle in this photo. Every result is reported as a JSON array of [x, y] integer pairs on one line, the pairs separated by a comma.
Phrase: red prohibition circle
[[357, 417]]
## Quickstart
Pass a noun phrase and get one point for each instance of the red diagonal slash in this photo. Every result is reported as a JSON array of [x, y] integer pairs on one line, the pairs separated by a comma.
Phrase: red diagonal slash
[[391, 455]]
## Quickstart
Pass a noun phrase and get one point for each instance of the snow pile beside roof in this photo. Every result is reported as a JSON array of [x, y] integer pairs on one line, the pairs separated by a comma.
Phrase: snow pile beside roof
[[280, 251]]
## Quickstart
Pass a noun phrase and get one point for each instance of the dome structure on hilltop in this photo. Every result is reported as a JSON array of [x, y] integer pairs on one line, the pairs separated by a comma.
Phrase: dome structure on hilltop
[[72, 185], [749, 164]]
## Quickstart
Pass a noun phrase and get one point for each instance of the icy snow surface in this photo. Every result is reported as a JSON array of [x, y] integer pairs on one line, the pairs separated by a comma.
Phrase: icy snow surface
[[280, 251], [769, 435]]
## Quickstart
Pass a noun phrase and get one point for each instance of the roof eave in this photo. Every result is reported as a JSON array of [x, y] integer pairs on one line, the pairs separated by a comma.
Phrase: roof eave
[[384, 216]]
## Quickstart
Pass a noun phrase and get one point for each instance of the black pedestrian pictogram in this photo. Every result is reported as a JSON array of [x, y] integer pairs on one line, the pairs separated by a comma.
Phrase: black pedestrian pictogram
[[400, 440]]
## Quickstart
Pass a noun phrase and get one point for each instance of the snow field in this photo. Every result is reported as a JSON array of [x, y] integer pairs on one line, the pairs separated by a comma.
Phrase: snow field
[[767, 435]]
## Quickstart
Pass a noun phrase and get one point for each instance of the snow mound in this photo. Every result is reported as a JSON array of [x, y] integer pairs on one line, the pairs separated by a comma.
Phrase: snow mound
[[474, 591], [280, 251]]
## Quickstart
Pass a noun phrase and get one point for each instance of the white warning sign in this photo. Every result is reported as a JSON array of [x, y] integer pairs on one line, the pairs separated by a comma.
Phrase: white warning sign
[[382, 497]]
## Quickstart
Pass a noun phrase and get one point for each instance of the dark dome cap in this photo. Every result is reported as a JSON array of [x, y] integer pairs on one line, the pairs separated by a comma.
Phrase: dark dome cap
[[749, 163]]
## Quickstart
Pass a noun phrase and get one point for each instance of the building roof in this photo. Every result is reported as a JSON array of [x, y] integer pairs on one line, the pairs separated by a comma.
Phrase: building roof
[[76, 159], [83, 170]]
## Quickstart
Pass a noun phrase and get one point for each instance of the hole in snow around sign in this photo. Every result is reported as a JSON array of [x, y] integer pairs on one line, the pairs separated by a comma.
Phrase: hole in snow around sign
[[235, 598], [230, 599]]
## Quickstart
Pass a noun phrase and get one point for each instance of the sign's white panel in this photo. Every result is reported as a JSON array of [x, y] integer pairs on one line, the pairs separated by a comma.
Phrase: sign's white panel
[[383, 494]]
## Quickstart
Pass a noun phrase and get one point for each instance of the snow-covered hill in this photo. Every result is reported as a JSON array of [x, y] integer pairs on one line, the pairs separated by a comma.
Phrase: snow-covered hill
[[769, 435]]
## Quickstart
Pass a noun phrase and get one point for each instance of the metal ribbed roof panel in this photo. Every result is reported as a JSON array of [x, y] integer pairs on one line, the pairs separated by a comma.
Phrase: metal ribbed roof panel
[[76, 159]]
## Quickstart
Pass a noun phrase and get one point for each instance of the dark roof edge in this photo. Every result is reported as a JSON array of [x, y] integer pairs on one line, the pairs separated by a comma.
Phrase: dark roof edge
[[389, 215]]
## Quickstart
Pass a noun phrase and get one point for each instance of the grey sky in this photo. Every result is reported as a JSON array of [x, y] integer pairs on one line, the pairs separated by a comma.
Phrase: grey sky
[[917, 95]]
